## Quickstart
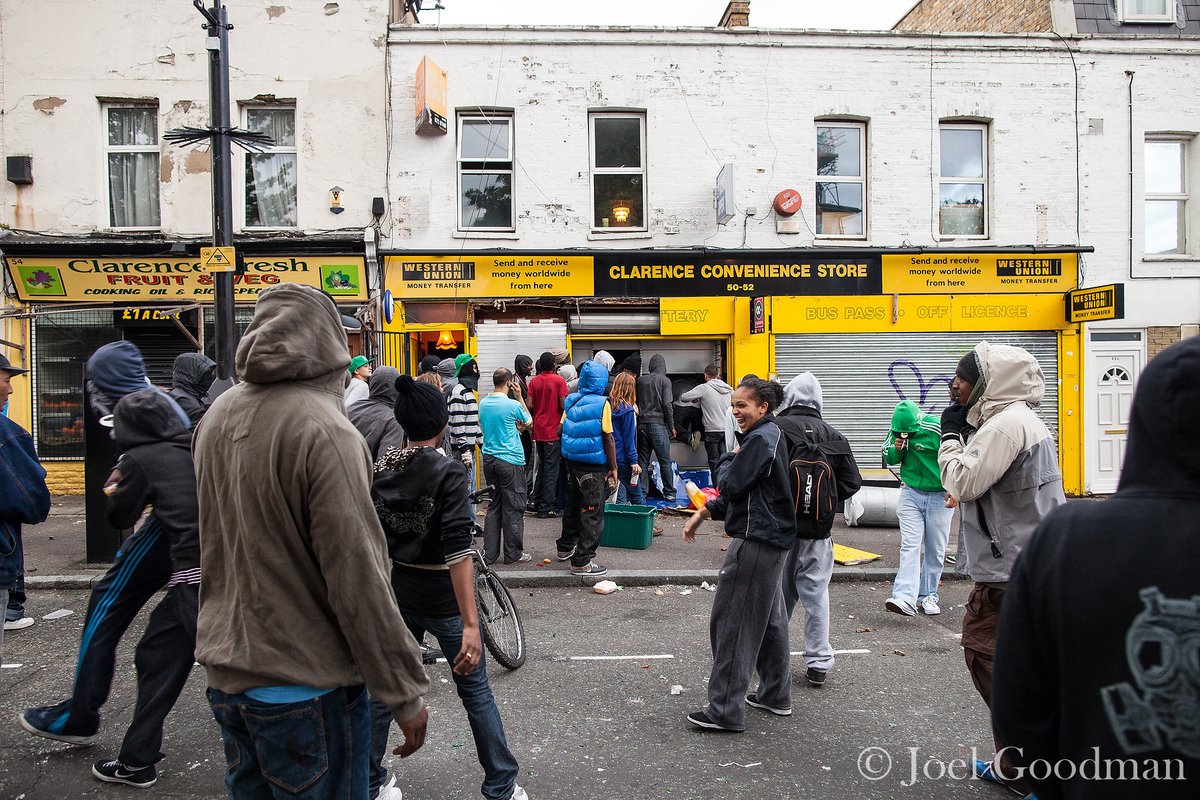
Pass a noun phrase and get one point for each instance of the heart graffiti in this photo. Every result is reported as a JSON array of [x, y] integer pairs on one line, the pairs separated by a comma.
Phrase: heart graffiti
[[923, 386]]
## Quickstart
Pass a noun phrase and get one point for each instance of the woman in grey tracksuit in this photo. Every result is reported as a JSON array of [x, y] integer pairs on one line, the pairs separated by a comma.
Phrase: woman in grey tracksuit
[[749, 625]]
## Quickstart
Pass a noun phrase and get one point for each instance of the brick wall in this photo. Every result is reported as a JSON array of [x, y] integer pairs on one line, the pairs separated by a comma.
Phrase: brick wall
[[998, 16], [1160, 338], [66, 477]]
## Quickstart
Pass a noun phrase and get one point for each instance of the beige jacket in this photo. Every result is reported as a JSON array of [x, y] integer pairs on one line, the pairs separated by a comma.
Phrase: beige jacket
[[296, 584]]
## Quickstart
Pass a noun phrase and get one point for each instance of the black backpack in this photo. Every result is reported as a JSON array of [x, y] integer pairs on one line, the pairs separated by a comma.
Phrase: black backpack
[[814, 487]]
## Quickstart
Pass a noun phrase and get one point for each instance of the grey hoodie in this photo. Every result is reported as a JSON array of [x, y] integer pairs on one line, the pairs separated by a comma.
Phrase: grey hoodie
[[297, 588], [375, 417], [713, 397], [654, 395], [1006, 475]]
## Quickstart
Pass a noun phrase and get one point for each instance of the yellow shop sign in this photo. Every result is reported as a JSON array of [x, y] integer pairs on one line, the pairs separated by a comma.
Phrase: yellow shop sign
[[153, 278], [917, 313], [683, 316], [977, 273], [469, 275]]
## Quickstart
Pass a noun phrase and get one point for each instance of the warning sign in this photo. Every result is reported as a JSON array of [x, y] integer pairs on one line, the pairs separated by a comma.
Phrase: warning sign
[[217, 259]]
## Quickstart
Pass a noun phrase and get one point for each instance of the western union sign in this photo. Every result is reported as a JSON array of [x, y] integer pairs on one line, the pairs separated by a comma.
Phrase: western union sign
[[1096, 303]]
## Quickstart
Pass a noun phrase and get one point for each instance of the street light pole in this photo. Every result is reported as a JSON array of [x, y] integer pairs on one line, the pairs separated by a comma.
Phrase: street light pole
[[222, 182]]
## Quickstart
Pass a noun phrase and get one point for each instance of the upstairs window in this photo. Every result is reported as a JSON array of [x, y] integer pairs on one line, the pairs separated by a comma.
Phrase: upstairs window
[[1166, 196], [131, 150], [271, 176], [1146, 10], [841, 180], [485, 173], [618, 167], [963, 182]]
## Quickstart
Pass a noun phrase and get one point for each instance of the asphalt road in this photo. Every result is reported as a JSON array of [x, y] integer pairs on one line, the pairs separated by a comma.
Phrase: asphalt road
[[589, 728]]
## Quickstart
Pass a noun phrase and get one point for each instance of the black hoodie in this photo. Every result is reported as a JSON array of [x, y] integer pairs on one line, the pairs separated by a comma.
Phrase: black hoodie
[[190, 381], [156, 469], [1096, 656]]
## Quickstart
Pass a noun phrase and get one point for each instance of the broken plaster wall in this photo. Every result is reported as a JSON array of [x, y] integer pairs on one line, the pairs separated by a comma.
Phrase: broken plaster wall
[[57, 69]]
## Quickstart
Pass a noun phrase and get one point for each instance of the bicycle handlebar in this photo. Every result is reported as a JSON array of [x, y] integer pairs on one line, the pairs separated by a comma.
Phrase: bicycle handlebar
[[484, 492]]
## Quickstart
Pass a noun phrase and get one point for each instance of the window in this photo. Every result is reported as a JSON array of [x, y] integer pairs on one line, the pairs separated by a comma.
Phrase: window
[[485, 173], [1147, 10], [271, 176], [962, 184], [131, 148], [618, 156], [841, 192], [1166, 196]]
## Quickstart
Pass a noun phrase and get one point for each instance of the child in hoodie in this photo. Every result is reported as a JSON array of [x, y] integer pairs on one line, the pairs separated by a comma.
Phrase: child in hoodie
[[156, 469]]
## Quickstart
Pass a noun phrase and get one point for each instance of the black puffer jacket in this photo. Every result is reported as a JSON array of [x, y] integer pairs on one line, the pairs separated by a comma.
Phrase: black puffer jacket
[[375, 417], [1096, 650], [157, 470], [190, 381], [756, 496]]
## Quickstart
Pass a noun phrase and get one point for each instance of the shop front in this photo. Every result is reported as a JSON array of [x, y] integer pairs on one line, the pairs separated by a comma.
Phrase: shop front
[[875, 326], [74, 304]]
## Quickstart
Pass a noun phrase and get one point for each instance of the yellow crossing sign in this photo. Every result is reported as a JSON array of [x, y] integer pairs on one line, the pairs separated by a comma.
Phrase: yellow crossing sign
[[217, 259]]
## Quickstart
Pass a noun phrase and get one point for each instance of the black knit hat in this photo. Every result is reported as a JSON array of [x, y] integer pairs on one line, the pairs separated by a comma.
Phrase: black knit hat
[[429, 364], [968, 368], [633, 363], [420, 408]]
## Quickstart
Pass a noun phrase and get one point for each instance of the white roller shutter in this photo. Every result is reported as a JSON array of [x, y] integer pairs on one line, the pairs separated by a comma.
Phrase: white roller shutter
[[499, 343], [863, 376]]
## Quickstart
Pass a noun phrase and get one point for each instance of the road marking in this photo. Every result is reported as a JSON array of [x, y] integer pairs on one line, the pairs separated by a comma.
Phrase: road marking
[[619, 658], [838, 652]]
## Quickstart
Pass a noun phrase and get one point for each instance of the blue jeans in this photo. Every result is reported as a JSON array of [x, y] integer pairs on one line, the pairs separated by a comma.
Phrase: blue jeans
[[656, 441], [632, 492], [924, 519], [314, 749], [499, 765]]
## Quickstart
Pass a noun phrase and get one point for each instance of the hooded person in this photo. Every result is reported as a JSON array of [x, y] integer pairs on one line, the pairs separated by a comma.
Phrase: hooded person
[[570, 375], [156, 470], [809, 565], [374, 417], [191, 378], [560, 356], [1096, 652], [141, 567], [590, 455], [1000, 462], [446, 371], [924, 509], [714, 398], [305, 543], [656, 426]]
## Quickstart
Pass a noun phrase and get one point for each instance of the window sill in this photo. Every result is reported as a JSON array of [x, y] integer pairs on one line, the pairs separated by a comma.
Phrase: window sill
[[1169, 257], [596, 236], [850, 241], [510, 235]]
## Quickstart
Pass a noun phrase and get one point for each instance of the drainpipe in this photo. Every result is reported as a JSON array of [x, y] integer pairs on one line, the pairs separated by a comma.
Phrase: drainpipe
[[1129, 74]]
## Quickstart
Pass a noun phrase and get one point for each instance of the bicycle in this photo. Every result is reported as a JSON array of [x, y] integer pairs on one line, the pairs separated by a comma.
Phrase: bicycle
[[499, 619]]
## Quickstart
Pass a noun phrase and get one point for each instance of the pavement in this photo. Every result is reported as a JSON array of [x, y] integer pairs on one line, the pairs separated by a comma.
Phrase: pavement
[[55, 554], [597, 711]]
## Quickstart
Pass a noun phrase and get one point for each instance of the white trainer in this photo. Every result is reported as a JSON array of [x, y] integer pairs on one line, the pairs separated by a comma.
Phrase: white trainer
[[390, 791], [519, 793], [930, 606]]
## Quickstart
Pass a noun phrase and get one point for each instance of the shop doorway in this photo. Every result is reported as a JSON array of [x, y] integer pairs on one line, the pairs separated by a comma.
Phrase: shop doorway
[[1114, 365]]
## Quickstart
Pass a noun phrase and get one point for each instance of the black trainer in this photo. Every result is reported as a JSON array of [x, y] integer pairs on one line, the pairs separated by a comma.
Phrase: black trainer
[[430, 654], [701, 719], [817, 677], [752, 700], [115, 772]]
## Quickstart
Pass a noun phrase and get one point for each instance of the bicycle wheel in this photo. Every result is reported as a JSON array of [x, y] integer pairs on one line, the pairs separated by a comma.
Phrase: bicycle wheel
[[503, 632]]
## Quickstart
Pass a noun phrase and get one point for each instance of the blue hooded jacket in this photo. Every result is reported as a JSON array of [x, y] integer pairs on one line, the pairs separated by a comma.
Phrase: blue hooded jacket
[[24, 498], [582, 436]]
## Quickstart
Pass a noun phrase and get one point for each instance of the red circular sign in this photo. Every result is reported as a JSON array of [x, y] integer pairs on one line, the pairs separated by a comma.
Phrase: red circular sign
[[787, 202]]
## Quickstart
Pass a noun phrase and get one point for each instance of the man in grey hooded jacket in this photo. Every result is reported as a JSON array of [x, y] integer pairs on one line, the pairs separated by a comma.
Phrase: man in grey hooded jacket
[[1000, 461], [656, 425], [375, 417], [714, 398]]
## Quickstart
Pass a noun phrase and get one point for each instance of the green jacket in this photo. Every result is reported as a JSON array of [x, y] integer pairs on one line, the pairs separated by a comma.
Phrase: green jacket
[[919, 459]]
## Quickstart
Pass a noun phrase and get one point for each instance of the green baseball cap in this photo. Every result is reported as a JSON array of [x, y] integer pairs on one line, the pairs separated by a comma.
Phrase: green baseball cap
[[357, 363], [460, 360]]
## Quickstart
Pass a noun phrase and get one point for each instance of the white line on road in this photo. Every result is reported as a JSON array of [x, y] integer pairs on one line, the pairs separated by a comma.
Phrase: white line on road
[[838, 652], [619, 658]]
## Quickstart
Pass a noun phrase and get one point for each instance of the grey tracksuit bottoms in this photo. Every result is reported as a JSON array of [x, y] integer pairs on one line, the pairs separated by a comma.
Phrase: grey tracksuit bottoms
[[749, 631], [806, 577]]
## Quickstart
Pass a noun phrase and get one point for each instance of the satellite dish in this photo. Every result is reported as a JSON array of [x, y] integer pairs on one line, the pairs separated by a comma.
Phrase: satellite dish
[[389, 306]]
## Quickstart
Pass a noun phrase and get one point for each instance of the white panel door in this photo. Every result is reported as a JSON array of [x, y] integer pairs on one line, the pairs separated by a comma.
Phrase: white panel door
[[1113, 375]]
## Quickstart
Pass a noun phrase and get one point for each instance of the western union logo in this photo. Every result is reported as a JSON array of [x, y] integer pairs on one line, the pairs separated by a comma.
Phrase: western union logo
[[1028, 267], [217, 259], [1096, 303]]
